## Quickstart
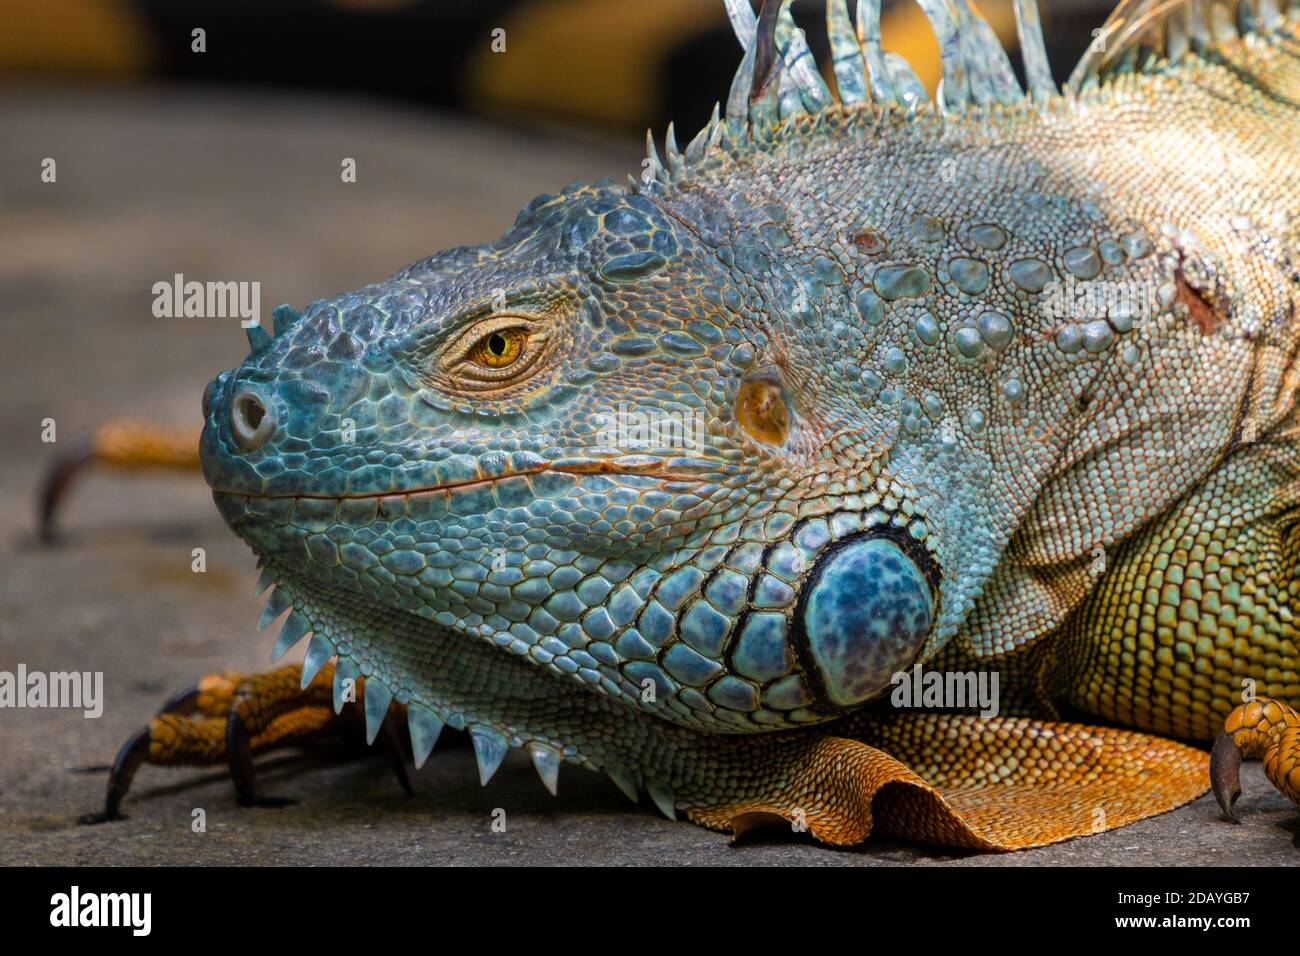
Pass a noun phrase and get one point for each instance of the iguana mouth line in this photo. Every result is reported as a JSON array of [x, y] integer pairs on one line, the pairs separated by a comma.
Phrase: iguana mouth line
[[590, 467]]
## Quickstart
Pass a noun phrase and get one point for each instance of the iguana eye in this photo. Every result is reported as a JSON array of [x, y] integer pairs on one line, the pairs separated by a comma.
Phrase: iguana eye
[[498, 350], [495, 353]]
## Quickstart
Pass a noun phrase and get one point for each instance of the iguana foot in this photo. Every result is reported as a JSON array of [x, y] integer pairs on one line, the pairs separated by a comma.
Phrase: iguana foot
[[124, 444], [965, 781], [1264, 729], [231, 718]]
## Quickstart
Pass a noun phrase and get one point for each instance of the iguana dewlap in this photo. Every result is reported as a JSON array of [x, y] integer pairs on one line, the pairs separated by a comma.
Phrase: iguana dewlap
[[674, 479]]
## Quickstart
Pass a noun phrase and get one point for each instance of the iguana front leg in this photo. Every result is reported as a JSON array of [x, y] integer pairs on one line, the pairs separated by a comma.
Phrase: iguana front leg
[[230, 718], [1197, 608], [955, 780]]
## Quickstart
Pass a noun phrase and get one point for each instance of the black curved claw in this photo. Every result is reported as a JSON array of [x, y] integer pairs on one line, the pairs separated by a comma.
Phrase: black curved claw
[[125, 765], [1225, 775], [767, 64], [67, 463], [239, 754]]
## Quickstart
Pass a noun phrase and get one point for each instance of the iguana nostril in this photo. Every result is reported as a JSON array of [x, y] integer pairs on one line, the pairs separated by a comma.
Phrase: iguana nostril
[[868, 612], [251, 419]]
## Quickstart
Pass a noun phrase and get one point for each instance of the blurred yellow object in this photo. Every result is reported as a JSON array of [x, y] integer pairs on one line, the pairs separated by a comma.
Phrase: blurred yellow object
[[598, 58], [73, 36]]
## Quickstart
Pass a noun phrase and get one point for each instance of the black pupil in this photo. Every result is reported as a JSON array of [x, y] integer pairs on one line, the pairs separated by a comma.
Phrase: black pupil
[[496, 345]]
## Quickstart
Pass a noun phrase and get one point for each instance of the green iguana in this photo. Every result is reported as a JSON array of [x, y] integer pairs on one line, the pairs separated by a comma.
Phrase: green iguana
[[676, 480]]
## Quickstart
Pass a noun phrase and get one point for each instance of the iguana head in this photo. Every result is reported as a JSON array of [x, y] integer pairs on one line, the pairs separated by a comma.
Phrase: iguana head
[[596, 444]]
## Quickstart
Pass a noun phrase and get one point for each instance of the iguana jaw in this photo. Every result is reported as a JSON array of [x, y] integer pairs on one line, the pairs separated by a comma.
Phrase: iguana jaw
[[412, 553], [811, 777]]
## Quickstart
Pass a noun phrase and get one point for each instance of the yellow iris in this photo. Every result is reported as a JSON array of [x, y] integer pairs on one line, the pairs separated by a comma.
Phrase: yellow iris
[[498, 350]]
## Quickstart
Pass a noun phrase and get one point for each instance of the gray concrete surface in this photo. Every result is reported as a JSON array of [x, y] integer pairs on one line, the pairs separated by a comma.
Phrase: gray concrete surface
[[152, 183]]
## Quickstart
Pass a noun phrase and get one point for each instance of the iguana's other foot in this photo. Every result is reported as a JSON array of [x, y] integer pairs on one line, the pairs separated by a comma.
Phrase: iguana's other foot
[[1264, 729], [122, 444], [231, 718]]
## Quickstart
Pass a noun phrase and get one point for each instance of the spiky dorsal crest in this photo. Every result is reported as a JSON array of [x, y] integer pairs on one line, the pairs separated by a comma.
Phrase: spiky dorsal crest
[[778, 91]]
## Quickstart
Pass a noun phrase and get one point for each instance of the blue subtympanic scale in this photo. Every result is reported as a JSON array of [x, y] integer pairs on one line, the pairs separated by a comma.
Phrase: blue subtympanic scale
[[867, 617]]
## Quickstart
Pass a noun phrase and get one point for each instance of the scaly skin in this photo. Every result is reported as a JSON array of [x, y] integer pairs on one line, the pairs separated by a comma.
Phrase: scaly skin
[[904, 455]]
